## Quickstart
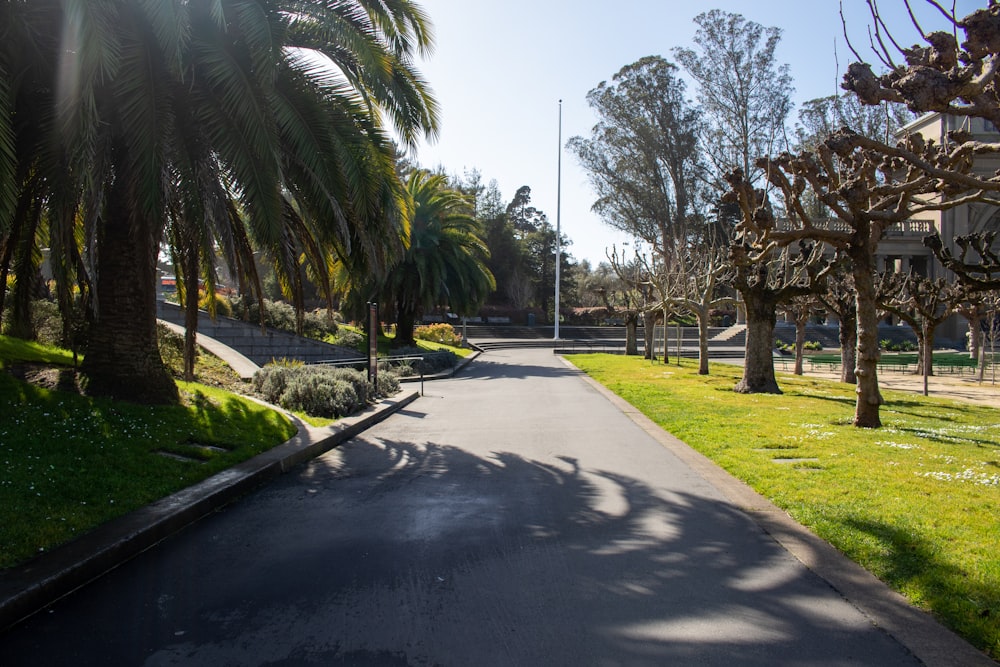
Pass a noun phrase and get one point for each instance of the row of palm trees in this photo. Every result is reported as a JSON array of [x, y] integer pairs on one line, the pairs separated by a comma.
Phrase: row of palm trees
[[217, 128]]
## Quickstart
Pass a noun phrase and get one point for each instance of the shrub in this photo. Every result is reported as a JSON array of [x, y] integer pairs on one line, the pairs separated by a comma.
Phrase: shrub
[[321, 391], [429, 362], [387, 382], [319, 395], [319, 324], [277, 314], [171, 346], [271, 380], [812, 345], [351, 339], [442, 333]]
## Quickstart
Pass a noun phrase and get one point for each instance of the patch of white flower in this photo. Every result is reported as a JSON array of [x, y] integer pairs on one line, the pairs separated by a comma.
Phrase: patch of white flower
[[967, 475], [897, 445]]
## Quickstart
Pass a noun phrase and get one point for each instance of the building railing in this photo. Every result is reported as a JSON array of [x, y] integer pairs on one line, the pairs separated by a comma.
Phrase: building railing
[[904, 228]]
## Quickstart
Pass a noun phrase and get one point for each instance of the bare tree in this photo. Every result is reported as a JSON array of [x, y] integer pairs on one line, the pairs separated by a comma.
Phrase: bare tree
[[690, 283], [840, 300], [869, 186], [744, 93], [923, 303], [632, 296], [947, 77], [766, 274], [977, 265], [801, 309]]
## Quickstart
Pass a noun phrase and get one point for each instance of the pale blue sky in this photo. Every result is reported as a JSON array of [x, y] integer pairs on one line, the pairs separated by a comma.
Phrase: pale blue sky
[[499, 69]]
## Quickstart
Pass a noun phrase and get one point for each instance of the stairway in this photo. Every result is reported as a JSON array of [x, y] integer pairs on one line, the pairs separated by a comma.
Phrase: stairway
[[261, 347]]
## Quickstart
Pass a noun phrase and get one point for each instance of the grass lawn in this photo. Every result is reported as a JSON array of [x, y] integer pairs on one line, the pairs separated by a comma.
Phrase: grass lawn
[[385, 342], [916, 502], [71, 463]]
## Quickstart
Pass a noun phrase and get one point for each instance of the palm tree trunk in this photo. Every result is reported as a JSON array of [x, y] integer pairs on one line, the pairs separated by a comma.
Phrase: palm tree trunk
[[406, 319], [123, 358], [190, 311]]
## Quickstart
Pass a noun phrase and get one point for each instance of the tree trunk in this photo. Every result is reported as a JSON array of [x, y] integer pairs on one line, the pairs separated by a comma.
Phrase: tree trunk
[[921, 349], [666, 339], [975, 334], [800, 341], [866, 410], [631, 334], [122, 359], [848, 347], [22, 239], [406, 319], [703, 321], [758, 367], [648, 330], [927, 361], [190, 312]]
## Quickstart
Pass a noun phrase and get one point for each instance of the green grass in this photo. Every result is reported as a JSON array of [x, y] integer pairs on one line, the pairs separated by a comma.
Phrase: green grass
[[70, 463], [15, 349], [946, 361], [917, 502], [385, 344]]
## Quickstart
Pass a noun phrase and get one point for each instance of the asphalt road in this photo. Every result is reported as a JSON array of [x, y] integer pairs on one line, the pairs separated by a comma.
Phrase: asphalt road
[[512, 516]]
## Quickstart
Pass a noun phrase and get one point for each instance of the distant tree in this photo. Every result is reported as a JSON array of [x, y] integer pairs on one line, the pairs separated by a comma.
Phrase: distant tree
[[692, 285], [642, 157], [822, 117], [800, 309], [923, 303], [524, 217], [744, 94], [445, 263], [840, 300], [631, 301]]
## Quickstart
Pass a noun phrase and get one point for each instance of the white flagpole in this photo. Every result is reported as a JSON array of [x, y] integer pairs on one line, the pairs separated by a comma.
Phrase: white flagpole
[[558, 228]]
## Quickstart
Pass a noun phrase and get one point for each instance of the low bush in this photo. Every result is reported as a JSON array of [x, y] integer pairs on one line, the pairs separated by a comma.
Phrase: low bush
[[171, 346], [902, 346], [350, 339], [279, 315], [812, 345], [429, 362], [438, 333], [321, 391]]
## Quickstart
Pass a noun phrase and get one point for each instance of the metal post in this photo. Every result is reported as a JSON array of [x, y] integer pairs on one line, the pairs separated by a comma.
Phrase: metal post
[[558, 227]]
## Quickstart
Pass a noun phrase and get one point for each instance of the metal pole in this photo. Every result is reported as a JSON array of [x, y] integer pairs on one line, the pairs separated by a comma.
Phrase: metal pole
[[558, 226]]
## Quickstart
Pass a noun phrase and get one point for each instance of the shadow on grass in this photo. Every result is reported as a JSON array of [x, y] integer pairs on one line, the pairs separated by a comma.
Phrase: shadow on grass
[[945, 588]]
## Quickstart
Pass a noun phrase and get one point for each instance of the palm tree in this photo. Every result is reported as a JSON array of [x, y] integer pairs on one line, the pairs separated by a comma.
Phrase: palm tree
[[242, 124], [445, 263]]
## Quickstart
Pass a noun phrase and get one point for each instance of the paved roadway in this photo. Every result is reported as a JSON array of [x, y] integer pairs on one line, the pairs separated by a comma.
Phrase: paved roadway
[[512, 516]]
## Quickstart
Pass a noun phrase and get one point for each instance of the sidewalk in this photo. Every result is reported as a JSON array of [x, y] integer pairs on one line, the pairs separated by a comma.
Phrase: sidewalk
[[952, 386]]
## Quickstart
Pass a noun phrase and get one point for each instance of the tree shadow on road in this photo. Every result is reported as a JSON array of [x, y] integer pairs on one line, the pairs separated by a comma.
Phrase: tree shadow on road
[[508, 560]]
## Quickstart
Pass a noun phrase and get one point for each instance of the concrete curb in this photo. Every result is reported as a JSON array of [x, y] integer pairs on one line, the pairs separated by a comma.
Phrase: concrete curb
[[928, 640], [27, 589]]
